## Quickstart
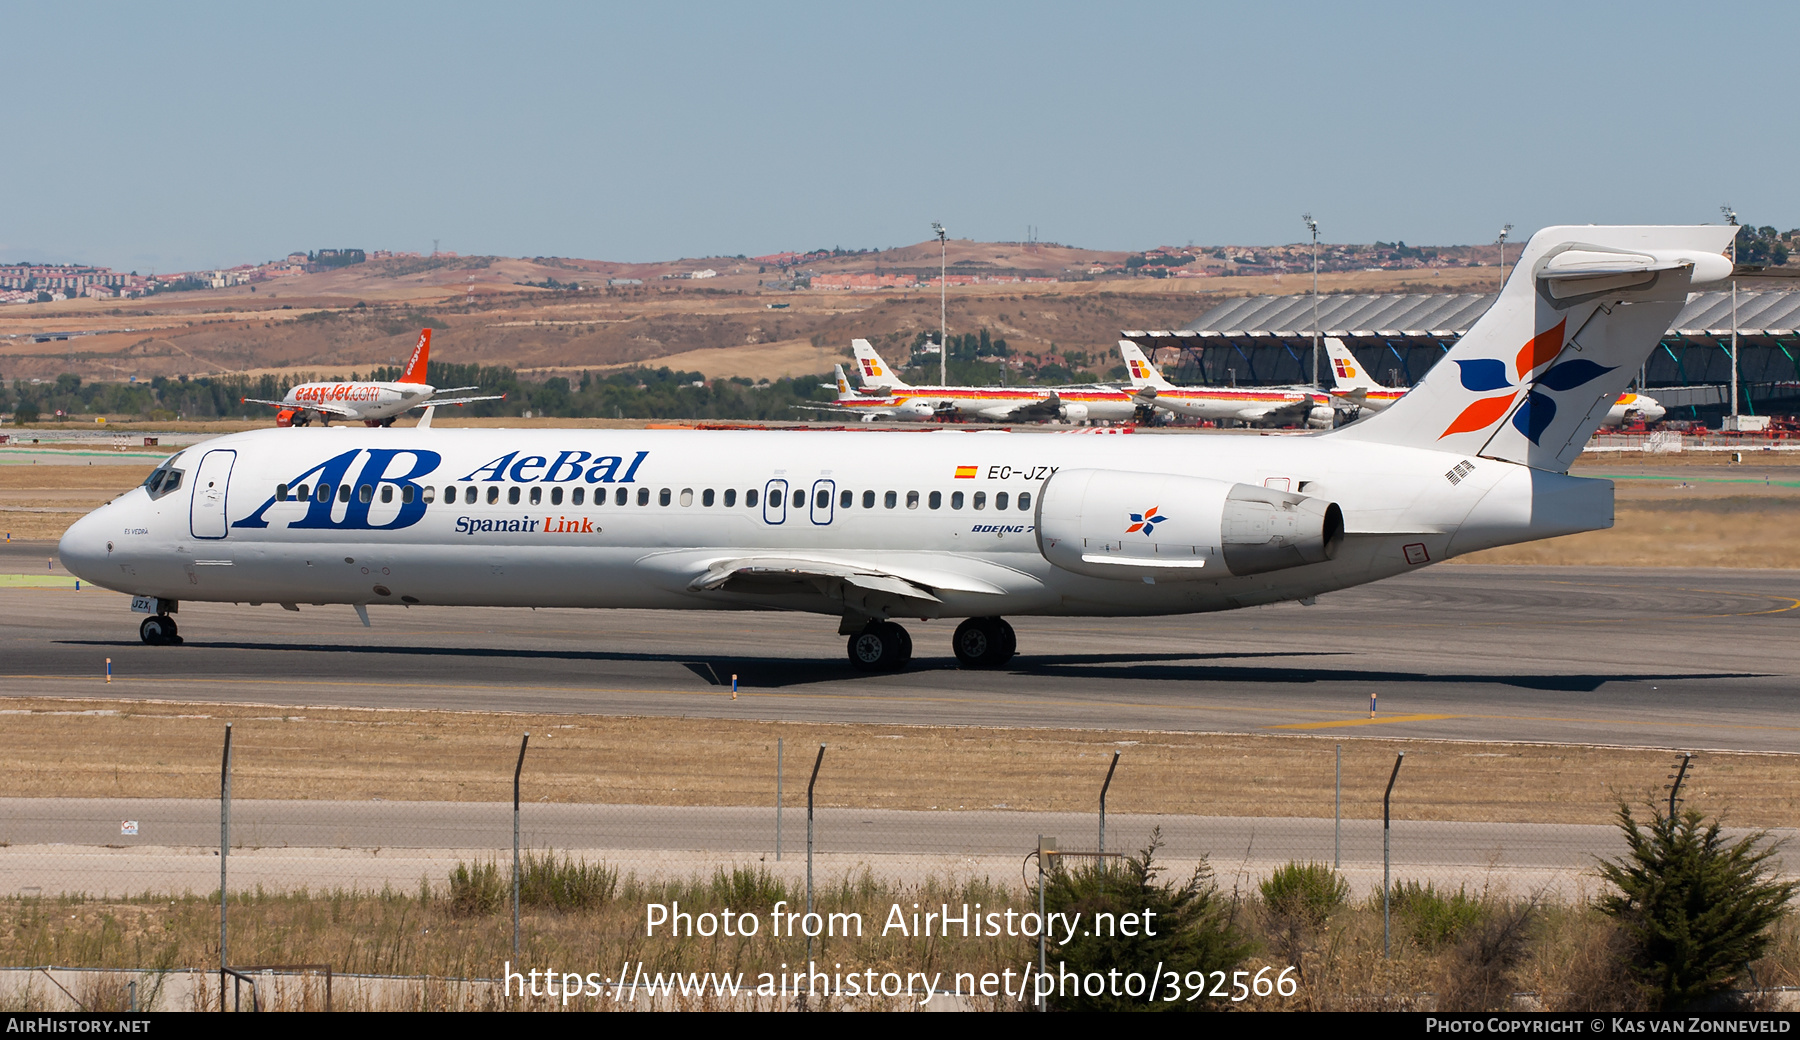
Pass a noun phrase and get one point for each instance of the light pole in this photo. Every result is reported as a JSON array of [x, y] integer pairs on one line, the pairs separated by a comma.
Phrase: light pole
[[1504, 231], [943, 303], [1731, 218], [1313, 226]]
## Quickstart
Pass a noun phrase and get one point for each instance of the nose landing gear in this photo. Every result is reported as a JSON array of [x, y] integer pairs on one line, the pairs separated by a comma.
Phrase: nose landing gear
[[984, 642], [159, 631]]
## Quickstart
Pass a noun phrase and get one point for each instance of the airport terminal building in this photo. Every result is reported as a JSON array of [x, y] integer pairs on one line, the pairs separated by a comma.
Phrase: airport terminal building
[[1267, 340]]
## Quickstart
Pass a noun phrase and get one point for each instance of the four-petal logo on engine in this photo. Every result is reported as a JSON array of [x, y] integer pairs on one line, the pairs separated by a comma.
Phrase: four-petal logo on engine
[[1145, 521]]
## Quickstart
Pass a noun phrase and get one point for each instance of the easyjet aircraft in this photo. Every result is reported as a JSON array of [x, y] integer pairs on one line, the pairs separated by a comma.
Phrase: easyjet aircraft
[[376, 404], [996, 403], [961, 526], [1261, 405]]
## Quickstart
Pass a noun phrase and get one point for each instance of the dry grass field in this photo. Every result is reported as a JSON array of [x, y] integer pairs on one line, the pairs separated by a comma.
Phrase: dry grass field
[[146, 749]]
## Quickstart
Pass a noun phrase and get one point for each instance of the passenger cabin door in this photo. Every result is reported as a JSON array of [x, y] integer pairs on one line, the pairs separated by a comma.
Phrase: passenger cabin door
[[775, 502], [206, 516], [823, 491]]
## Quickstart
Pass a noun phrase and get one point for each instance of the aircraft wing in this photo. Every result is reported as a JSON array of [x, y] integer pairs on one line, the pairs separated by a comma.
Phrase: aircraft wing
[[455, 389], [1048, 406], [310, 406], [438, 401], [866, 589]]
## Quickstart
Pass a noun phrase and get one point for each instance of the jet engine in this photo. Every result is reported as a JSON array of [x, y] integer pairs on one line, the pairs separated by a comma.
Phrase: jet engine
[[1132, 526], [1074, 413]]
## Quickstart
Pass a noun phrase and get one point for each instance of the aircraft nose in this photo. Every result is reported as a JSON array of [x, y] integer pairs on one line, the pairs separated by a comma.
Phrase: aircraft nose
[[84, 546]]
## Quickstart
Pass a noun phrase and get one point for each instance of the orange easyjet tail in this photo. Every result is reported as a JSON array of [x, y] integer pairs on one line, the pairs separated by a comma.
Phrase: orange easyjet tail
[[421, 356]]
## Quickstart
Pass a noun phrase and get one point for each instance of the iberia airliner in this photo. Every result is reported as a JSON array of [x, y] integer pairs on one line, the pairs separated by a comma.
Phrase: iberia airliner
[[868, 527]]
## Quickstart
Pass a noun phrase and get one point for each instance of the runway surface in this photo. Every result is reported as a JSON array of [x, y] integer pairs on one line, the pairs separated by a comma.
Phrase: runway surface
[[1693, 659]]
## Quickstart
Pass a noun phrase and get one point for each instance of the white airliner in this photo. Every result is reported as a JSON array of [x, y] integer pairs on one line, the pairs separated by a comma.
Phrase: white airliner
[[997, 403], [868, 526], [1270, 405], [376, 404], [869, 406], [1354, 386]]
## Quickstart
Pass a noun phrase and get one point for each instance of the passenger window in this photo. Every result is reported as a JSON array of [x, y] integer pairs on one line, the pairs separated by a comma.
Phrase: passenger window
[[303, 494], [643, 496], [845, 498], [937, 500], [344, 492], [408, 492], [868, 500], [365, 494], [912, 500], [556, 496], [687, 496], [621, 496], [980, 500], [578, 494], [281, 492], [822, 499], [1024, 501], [1000, 500], [537, 494], [706, 497], [750, 498], [956, 500], [512, 495], [493, 494], [891, 499], [799, 498], [387, 492], [449, 494], [662, 497], [731, 496]]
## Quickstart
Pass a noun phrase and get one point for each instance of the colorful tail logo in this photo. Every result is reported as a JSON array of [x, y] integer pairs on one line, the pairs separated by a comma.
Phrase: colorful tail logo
[[1345, 369], [1483, 375], [870, 368]]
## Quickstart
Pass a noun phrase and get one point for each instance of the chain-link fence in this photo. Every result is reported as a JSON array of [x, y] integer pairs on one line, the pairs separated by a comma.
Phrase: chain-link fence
[[488, 856]]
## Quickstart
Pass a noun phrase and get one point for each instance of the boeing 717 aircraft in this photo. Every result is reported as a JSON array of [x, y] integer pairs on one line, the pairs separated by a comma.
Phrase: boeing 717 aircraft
[[376, 404], [869, 527]]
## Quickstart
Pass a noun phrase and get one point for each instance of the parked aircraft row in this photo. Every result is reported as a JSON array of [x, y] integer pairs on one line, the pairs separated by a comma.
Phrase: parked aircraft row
[[962, 526]]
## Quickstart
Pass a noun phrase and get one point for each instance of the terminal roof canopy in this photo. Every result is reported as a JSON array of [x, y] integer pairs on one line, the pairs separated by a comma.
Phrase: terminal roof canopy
[[1448, 316]]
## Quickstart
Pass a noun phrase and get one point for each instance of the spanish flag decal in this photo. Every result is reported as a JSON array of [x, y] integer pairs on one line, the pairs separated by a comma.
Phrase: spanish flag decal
[[966, 472]]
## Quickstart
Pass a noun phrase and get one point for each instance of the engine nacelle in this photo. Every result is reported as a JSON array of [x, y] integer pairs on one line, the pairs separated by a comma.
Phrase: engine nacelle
[[1075, 412], [1136, 525]]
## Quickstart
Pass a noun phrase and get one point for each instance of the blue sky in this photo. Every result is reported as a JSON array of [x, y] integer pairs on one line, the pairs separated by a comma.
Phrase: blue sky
[[176, 136]]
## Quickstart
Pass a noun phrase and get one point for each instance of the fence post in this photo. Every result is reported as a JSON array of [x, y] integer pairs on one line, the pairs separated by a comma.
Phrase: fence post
[[1675, 788], [517, 769], [1103, 787], [809, 850], [1046, 847], [1337, 813], [778, 805], [1386, 887], [224, 852]]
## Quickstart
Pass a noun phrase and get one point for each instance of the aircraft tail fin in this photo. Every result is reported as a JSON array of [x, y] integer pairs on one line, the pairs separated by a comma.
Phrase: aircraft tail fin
[[1535, 376], [875, 372], [844, 391], [1138, 366], [1348, 372], [421, 357]]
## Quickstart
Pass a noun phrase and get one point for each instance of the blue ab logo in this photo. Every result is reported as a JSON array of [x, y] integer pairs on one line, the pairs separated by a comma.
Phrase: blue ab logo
[[331, 473]]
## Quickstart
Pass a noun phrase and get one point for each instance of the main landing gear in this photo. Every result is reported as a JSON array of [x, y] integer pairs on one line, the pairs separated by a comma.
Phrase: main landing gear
[[159, 631], [883, 646], [984, 642]]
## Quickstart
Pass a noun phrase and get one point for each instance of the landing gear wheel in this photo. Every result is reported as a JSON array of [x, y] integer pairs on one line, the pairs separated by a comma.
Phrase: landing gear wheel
[[984, 642], [881, 647], [159, 631]]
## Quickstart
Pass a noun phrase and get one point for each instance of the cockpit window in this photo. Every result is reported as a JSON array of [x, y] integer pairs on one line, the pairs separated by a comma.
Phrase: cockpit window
[[164, 478]]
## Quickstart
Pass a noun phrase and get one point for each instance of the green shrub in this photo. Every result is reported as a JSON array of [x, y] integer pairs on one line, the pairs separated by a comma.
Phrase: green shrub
[[478, 889], [748, 888], [1434, 918], [1306, 893], [1195, 929], [1694, 908]]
